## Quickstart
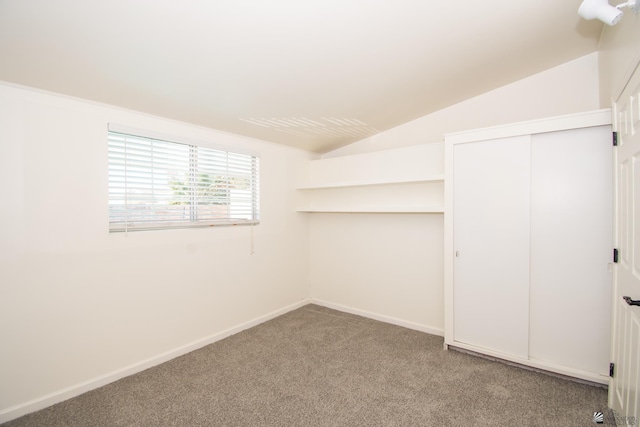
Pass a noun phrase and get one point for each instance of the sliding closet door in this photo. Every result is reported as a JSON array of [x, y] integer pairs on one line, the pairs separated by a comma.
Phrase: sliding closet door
[[491, 242], [571, 248]]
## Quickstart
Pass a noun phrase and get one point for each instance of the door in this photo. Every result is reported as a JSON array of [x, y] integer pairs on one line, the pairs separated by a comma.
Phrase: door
[[491, 205], [624, 396], [571, 241]]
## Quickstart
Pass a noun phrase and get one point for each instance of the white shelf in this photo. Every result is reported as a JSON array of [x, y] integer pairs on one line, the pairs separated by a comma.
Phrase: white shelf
[[409, 180], [379, 209], [431, 178]]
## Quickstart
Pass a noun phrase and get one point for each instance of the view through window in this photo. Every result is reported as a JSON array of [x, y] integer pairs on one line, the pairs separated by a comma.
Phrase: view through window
[[158, 184]]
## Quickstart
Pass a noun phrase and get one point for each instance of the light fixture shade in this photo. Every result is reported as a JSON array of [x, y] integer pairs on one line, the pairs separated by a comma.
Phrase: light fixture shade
[[600, 9]]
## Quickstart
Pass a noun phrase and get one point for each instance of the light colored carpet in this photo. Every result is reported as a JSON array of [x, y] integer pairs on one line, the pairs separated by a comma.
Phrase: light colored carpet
[[319, 367]]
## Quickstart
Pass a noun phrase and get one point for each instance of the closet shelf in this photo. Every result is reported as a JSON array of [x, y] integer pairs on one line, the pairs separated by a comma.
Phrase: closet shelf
[[347, 184], [409, 180], [378, 209]]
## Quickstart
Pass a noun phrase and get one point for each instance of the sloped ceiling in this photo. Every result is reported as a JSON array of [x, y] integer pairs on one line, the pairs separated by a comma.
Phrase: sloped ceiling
[[307, 73]]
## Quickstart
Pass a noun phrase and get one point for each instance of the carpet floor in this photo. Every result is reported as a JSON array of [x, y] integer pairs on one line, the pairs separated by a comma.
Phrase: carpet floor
[[320, 367]]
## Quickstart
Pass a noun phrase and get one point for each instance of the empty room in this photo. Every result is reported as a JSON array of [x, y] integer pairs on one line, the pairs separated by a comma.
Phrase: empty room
[[328, 213]]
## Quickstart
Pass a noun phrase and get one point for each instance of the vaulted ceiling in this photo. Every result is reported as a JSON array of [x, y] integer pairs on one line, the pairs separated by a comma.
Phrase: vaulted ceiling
[[307, 73]]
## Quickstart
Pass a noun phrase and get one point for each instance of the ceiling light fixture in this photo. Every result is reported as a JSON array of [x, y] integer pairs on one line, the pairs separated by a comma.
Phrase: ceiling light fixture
[[602, 10]]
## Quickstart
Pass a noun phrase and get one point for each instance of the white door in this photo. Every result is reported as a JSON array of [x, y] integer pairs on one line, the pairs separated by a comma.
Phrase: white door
[[491, 238], [624, 395], [571, 243]]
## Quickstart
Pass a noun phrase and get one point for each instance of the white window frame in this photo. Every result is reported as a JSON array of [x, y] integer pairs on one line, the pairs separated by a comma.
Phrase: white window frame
[[158, 182]]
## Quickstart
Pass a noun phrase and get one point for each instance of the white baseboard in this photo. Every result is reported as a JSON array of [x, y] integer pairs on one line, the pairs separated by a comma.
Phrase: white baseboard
[[19, 410], [380, 317]]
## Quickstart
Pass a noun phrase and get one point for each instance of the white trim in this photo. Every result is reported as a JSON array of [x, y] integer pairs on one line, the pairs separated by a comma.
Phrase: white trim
[[380, 317], [534, 363], [42, 402], [448, 244], [551, 124]]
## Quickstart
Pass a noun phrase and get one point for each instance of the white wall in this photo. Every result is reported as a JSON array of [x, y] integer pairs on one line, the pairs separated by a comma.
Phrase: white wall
[[80, 306], [384, 266], [565, 89]]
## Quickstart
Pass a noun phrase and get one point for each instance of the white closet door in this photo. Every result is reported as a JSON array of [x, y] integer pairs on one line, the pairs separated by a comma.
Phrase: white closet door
[[571, 248], [491, 240]]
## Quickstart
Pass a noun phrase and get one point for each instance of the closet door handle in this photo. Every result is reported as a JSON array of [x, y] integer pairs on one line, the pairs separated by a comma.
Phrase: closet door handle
[[631, 301]]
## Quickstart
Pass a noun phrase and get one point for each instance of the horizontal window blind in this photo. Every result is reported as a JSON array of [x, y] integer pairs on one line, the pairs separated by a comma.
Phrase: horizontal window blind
[[157, 184]]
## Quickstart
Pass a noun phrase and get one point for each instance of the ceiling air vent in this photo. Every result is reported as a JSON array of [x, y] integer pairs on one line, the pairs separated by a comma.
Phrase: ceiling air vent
[[325, 126]]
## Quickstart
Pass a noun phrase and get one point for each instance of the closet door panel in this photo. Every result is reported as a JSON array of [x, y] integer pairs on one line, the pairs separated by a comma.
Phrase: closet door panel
[[491, 240], [571, 248]]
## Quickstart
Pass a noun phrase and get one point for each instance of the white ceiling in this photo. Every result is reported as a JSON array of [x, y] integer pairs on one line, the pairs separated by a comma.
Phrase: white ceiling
[[306, 73]]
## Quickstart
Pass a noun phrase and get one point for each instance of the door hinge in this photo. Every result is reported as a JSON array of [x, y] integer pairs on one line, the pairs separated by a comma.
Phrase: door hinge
[[611, 369], [615, 139], [615, 256]]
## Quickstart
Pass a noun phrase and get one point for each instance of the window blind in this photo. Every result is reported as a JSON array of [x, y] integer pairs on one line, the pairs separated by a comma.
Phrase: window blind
[[158, 184]]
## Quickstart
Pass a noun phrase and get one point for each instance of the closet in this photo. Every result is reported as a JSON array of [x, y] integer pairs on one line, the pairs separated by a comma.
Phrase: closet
[[528, 243]]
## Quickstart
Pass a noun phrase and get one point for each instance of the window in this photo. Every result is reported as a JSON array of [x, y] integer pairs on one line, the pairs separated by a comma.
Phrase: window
[[157, 184]]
